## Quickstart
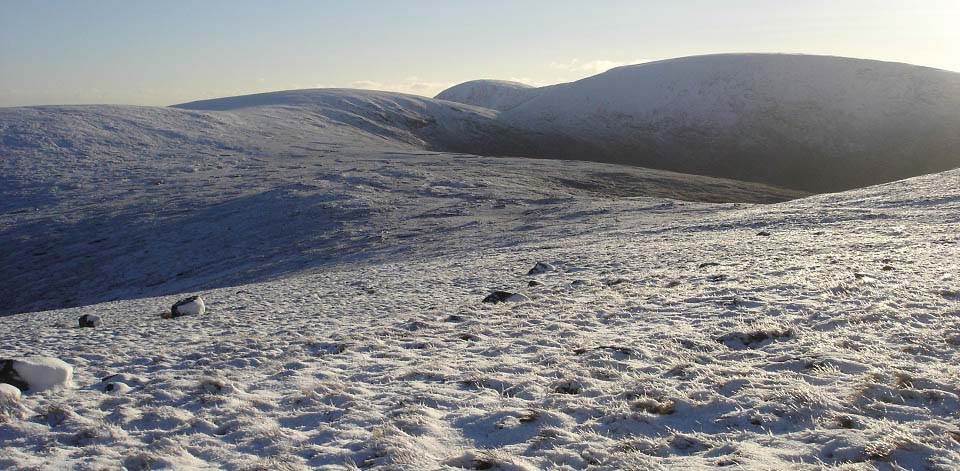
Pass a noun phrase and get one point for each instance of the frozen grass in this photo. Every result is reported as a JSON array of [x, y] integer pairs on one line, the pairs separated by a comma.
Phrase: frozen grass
[[808, 355]]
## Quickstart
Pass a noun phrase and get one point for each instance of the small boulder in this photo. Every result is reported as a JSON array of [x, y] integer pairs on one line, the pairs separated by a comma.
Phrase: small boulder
[[118, 384], [36, 373], [192, 306], [541, 268], [763, 234], [505, 297], [89, 320], [116, 389], [9, 394], [533, 283]]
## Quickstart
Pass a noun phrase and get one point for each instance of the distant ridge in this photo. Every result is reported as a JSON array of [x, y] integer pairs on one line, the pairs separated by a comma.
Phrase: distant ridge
[[497, 95]]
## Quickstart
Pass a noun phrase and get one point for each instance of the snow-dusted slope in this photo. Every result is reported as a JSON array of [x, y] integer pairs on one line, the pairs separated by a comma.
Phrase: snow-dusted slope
[[671, 336], [422, 122], [498, 95], [110, 202], [810, 122]]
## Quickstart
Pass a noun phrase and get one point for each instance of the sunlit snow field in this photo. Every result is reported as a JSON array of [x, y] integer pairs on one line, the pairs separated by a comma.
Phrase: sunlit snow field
[[832, 340]]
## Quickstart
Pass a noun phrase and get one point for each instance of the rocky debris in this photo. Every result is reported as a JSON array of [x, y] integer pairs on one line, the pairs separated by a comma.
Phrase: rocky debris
[[541, 268], [35, 374], [578, 283], [89, 320], [192, 306], [505, 297], [716, 278]]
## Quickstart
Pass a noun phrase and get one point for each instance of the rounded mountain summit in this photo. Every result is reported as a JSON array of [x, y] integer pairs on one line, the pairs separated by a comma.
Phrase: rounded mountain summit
[[814, 123]]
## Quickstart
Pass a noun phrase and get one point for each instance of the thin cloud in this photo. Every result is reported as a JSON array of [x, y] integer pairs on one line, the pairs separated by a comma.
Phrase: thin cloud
[[413, 85], [534, 82], [595, 66], [367, 85]]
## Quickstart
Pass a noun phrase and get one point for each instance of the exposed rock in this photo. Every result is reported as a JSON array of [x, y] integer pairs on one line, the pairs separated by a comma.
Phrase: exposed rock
[[568, 386], [8, 375], [89, 320], [116, 388], [541, 268], [118, 384], [35, 374], [505, 297], [192, 306]]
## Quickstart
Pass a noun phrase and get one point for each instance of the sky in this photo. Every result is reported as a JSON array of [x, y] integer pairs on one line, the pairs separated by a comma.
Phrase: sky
[[162, 53]]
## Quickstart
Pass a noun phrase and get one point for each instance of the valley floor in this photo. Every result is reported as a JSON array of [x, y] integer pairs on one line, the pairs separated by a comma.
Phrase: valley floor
[[687, 341]]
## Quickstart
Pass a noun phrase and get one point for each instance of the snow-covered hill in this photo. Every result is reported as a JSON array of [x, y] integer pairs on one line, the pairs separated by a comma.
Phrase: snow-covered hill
[[394, 117], [111, 202], [669, 336], [810, 122], [498, 95]]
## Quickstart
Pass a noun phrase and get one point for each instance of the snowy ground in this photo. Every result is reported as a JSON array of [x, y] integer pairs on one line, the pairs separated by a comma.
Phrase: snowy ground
[[665, 339], [99, 203]]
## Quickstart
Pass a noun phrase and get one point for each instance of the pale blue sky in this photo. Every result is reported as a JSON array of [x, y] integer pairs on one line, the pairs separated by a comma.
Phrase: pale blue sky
[[165, 52]]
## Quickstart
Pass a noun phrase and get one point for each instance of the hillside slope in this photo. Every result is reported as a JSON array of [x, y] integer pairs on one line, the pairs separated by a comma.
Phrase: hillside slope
[[669, 336], [111, 202], [814, 123]]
